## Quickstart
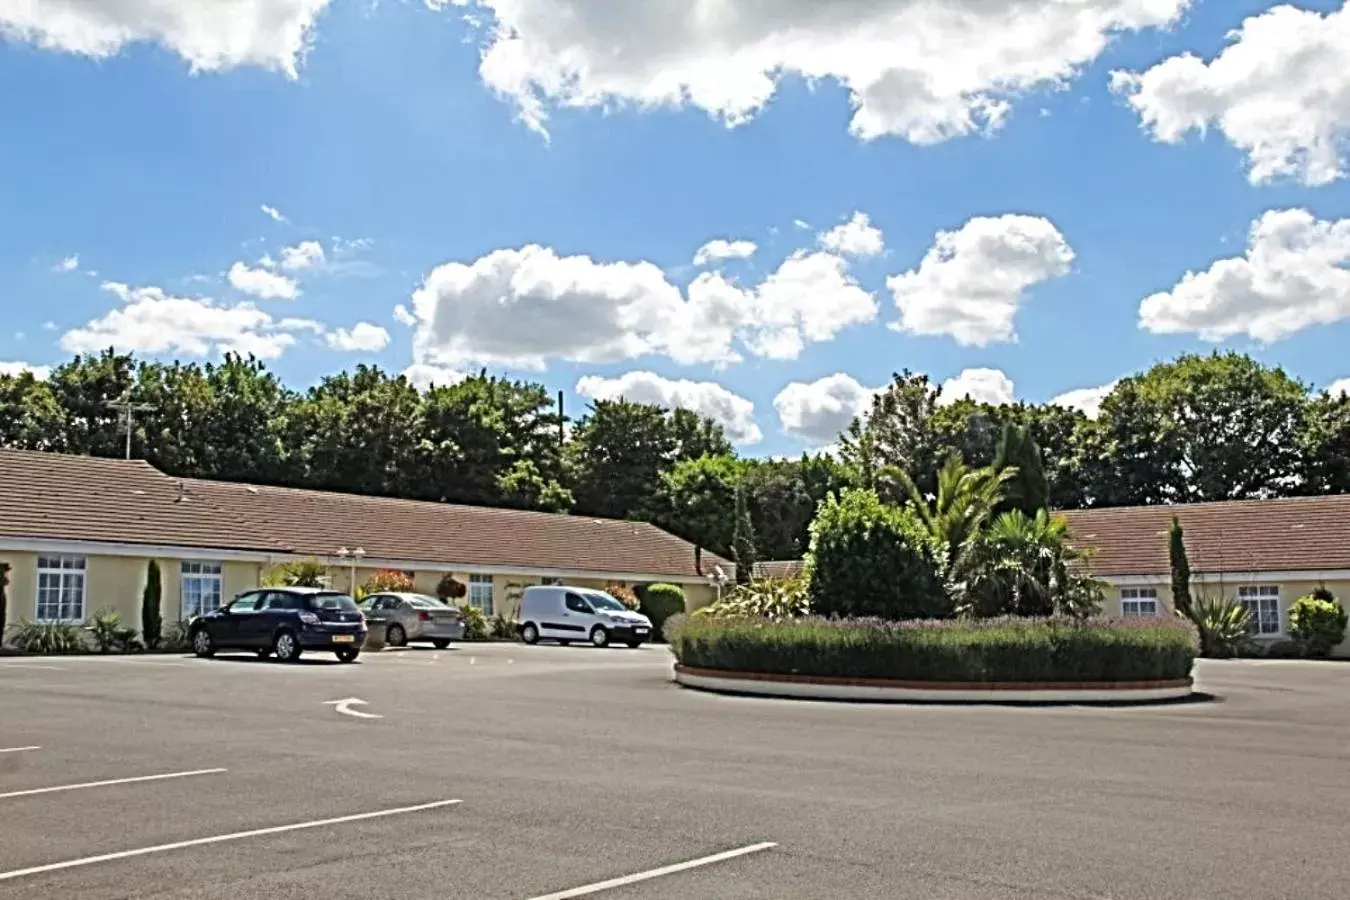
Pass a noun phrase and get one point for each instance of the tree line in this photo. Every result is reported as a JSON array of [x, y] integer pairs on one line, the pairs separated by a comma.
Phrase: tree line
[[1197, 428]]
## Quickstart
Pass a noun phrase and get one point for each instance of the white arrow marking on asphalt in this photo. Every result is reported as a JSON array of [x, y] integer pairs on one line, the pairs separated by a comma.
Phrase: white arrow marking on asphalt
[[345, 707]]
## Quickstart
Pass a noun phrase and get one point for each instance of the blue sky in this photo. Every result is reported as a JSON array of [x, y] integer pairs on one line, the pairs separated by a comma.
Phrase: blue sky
[[514, 192]]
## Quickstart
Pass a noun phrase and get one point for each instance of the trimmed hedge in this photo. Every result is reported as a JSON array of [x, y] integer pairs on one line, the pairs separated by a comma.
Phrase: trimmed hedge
[[659, 602], [989, 650]]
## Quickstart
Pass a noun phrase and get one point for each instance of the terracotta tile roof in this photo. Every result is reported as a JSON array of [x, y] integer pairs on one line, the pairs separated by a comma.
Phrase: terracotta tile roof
[[317, 523], [1236, 537], [79, 498]]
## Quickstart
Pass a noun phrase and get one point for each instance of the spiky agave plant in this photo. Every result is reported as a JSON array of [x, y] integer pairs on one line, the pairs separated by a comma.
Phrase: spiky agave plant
[[1224, 626]]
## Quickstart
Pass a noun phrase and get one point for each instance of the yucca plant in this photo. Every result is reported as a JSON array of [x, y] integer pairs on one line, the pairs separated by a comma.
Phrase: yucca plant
[[1224, 626], [48, 637], [774, 600], [299, 573]]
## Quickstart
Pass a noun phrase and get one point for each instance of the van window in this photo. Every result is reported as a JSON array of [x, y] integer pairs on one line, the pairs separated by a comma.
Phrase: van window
[[576, 604], [601, 600]]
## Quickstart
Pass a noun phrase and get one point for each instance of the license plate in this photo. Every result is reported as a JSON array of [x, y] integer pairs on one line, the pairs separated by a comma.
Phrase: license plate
[[344, 639], [640, 630]]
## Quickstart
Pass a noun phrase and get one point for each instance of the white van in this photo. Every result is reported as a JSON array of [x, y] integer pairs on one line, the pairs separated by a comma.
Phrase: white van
[[566, 614]]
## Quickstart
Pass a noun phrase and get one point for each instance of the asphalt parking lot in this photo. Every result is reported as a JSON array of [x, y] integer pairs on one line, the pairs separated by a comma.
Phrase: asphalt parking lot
[[504, 771]]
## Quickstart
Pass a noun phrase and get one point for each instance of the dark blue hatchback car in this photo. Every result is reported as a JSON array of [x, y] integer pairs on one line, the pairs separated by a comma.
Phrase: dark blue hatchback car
[[285, 621]]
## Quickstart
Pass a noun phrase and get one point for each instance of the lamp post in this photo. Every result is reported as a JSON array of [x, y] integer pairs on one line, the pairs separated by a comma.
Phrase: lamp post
[[353, 557]]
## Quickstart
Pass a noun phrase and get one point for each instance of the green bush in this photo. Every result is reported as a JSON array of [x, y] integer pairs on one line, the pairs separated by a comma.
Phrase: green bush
[[35, 637], [871, 559], [1317, 625], [986, 650], [503, 629], [762, 599], [659, 602], [475, 623], [109, 634]]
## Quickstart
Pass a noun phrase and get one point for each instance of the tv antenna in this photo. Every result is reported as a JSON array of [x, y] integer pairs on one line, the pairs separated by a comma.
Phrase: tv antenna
[[126, 413]]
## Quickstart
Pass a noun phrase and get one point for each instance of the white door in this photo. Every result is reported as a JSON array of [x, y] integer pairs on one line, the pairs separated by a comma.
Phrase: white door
[[574, 620]]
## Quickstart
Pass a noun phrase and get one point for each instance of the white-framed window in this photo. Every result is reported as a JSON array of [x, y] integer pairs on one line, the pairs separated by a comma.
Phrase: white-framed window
[[480, 593], [60, 595], [1263, 602], [202, 586], [1138, 602]]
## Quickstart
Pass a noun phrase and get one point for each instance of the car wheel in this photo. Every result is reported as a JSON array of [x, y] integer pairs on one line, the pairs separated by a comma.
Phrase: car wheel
[[440, 643], [286, 646], [599, 637], [395, 636], [202, 645], [529, 634], [348, 655]]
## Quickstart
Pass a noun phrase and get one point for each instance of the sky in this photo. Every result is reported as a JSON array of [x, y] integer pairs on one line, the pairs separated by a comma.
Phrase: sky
[[756, 210]]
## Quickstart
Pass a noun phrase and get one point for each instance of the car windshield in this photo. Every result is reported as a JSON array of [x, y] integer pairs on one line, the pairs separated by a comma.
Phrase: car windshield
[[422, 601], [332, 601], [601, 600]]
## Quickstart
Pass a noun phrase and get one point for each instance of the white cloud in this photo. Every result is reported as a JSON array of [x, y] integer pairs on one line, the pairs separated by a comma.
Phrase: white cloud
[[733, 412], [69, 264], [1338, 388], [1088, 401], [1294, 274], [404, 315], [272, 213], [816, 412], [856, 237], [362, 337], [522, 307], [719, 249], [1280, 92], [18, 368], [424, 376], [981, 385], [262, 284], [210, 35], [923, 70], [972, 281], [303, 255], [151, 321], [810, 298]]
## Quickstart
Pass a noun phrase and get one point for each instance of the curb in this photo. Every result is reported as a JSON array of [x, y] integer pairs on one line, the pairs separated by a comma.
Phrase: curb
[[884, 690]]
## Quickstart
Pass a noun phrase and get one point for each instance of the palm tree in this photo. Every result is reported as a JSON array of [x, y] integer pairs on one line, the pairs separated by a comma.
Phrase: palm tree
[[1024, 565], [966, 498]]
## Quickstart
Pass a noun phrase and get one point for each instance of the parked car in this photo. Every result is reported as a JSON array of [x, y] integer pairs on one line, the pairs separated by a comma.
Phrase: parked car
[[566, 614], [285, 621], [415, 617]]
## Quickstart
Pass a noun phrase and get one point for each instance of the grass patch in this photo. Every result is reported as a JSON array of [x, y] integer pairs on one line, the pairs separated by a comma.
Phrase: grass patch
[[989, 650]]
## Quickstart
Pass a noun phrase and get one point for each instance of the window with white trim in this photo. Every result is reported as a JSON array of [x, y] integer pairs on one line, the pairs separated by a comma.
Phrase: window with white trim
[[1263, 603], [60, 595], [480, 593], [1138, 602], [202, 586]]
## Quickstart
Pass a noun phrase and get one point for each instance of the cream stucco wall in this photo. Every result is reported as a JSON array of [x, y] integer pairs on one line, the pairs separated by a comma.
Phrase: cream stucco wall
[[21, 595]]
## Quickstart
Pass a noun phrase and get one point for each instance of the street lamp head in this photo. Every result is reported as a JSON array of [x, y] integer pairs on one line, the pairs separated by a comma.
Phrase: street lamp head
[[344, 552], [358, 552]]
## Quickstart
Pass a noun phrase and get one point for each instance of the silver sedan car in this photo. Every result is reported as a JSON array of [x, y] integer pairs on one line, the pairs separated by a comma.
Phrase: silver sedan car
[[415, 617]]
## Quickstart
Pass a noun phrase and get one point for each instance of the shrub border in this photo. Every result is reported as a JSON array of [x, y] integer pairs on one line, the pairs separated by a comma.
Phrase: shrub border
[[886, 690]]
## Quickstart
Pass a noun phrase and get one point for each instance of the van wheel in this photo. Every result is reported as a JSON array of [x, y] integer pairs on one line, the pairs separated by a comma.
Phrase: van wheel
[[599, 637], [529, 634]]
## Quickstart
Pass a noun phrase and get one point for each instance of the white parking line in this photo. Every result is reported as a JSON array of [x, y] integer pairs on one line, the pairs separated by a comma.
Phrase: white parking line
[[588, 889], [17, 749], [32, 666], [110, 782], [219, 839]]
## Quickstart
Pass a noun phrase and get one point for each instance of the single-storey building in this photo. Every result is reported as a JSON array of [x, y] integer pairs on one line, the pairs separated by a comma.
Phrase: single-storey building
[[78, 534]]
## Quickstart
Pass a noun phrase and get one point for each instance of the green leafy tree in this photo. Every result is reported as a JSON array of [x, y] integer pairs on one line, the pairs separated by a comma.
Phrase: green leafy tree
[[694, 498], [353, 432], [152, 621], [4, 599], [1317, 624], [897, 432], [82, 389], [963, 502], [30, 418], [1027, 490], [1181, 570], [870, 558], [1324, 442], [1200, 428], [743, 540], [1025, 566], [784, 496]]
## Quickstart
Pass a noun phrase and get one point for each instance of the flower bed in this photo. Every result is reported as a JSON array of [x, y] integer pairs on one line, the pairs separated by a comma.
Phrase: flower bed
[[981, 652]]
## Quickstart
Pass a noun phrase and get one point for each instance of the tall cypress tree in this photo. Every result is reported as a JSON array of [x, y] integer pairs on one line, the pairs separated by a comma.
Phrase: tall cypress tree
[[1181, 570], [1029, 491], [4, 598], [743, 540], [152, 622]]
